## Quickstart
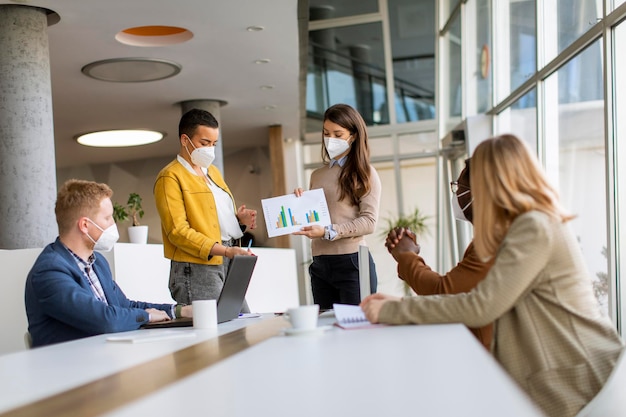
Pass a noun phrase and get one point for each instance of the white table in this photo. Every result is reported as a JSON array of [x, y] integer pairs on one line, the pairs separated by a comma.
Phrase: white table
[[438, 370], [31, 375]]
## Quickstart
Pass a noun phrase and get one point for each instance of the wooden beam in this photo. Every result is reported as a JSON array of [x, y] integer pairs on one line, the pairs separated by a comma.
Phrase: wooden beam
[[279, 183]]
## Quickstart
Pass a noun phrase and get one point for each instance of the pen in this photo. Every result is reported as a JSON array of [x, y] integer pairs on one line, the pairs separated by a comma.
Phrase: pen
[[250, 244]]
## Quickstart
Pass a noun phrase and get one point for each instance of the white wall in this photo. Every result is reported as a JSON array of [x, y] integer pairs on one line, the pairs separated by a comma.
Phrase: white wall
[[138, 177], [142, 273]]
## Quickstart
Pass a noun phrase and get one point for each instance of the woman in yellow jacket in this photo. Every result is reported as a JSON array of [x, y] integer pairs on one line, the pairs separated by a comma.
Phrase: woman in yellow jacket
[[199, 220]]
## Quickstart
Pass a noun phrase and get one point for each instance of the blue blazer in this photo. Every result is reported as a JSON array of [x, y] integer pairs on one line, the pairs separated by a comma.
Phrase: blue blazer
[[61, 306]]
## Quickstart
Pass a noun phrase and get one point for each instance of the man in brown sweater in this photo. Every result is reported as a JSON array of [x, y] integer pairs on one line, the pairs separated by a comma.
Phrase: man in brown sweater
[[401, 244]]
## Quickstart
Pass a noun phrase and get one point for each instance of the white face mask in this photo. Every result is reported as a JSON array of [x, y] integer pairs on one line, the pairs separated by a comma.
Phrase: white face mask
[[203, 156], [107, 239], [336, 146], [459, 213]]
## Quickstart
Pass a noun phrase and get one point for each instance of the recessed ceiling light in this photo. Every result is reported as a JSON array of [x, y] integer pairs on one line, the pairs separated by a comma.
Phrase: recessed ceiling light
[[131, 70], [266, 87], [270, 107], [119, 138], [262, 61], [255, 28], [153, 35]]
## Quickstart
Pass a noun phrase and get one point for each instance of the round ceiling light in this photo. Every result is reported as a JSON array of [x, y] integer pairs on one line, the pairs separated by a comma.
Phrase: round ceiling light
[[119, 138], [153, 36], [131, 70]]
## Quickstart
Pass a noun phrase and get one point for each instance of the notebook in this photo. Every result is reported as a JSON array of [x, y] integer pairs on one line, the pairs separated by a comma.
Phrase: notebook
[[231, 298], [351, 317]]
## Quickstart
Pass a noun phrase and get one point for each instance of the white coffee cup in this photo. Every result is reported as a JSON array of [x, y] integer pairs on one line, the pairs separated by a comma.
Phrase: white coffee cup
[[303, 317], [204, 314]]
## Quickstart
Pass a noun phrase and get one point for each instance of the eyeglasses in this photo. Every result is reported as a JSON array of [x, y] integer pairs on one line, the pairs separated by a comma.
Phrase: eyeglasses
[[454, 186]]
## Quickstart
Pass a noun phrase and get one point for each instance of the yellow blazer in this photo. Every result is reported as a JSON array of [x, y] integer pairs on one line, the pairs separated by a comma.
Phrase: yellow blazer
[[186, 205], [549, 333]]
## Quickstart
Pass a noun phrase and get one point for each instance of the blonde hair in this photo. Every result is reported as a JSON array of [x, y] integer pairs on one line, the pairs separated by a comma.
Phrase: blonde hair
[[78, 198], [506, 181]]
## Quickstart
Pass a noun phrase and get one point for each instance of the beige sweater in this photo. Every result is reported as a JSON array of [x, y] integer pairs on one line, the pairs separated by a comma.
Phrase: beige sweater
[[549, 334], [350, 222]]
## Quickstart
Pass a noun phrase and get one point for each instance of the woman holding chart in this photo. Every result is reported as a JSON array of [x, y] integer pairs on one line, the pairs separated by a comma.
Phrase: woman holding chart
[[352, 189]]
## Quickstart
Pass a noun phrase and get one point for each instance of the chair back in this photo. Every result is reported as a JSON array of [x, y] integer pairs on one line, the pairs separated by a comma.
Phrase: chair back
[[28, 341]]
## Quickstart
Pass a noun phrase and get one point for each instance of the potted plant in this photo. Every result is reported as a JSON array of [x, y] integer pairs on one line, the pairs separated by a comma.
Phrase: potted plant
[[137, 233], [415, 222]]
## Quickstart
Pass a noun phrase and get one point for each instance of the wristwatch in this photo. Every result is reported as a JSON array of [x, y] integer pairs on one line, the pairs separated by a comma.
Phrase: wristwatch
[[327, 230]]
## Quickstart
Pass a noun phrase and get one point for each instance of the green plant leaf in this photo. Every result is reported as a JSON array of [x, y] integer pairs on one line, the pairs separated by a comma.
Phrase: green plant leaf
[[119, 212], [135, 211], [414, 221]]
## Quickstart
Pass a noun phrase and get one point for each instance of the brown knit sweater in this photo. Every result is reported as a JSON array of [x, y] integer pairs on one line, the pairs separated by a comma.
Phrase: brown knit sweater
[[350, 222]]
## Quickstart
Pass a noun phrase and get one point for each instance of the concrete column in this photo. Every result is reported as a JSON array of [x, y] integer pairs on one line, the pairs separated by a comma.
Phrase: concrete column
[[27, 163], [213, 107]]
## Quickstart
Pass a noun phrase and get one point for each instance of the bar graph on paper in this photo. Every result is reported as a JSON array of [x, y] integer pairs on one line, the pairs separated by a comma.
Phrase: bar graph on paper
[[288, 213]]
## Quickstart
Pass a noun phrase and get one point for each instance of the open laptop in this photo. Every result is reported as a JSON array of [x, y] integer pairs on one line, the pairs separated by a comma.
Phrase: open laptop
[[231, 298]]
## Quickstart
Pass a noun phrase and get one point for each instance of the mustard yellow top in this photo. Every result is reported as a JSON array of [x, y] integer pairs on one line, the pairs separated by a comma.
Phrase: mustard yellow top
[[189, 223]]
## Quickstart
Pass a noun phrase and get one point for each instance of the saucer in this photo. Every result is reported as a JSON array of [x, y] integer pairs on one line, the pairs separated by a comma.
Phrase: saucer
[[290, 331]]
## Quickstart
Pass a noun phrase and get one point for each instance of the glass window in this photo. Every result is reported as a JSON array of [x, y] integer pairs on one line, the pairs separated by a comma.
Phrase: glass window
[[581, 156], [616, 3], [329, 9], [413, 48], [574, 18], [483, 52], [620, 158], [415, 194], [523, 41], [521, 119], [388, 283], [447, 6], [419, 191], [346, 65], [453, 38], [518, 48]]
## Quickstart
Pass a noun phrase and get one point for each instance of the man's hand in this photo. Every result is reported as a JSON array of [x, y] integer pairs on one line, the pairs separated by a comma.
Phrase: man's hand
[[157, 315], [401, 240], [372, 304], [247, 217]]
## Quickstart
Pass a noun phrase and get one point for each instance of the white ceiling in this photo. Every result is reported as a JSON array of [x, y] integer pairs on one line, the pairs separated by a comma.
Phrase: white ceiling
[[217, 63]]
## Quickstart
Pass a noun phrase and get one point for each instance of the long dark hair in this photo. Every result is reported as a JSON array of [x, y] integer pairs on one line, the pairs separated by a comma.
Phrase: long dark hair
[[354, 180]]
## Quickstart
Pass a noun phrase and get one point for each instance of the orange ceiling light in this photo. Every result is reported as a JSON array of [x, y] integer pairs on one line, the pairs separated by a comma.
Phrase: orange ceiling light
[[153, 35]]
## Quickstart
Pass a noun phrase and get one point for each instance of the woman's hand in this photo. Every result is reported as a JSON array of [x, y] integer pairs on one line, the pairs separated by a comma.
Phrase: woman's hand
[[312, 232], [246, 217], [231, 251], [186, 311], [298, 192], [372, 304]]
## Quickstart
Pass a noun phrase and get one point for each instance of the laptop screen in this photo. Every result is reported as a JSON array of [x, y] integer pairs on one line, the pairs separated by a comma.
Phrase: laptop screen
[[231, 298]]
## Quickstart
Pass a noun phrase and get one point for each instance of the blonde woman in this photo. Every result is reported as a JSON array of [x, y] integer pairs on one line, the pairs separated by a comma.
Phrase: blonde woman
[[549, 333]]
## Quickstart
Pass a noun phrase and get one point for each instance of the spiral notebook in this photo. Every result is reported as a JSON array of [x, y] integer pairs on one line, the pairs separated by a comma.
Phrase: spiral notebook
[[351, 317]]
